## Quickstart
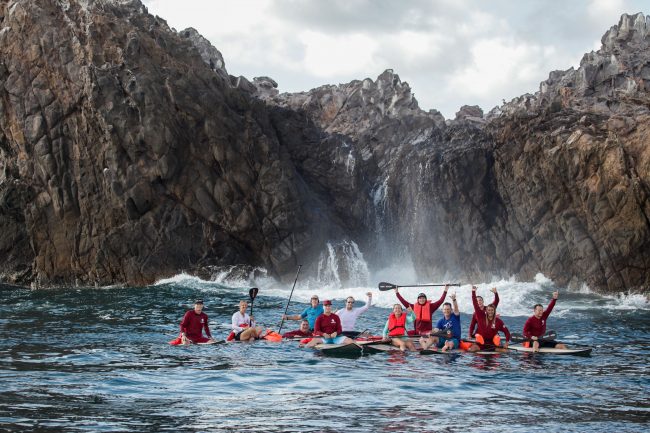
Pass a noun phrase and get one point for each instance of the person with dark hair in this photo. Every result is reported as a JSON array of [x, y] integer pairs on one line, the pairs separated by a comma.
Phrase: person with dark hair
[[192, 326], [327, 328], [449, 324], [479, 299], [535, 326], [423, 310], [310, 313], [349, 315], [489, 326]]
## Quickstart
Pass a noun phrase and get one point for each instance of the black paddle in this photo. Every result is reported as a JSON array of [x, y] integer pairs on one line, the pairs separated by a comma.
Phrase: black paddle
[[253, 293], [548, 337], [290, 295], [390, 286]]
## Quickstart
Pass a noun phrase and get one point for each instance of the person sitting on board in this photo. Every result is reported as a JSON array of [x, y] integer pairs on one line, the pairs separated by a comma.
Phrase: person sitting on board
[[349, 315], [472, 324], [535, 326], [423, 310], [193, 323], [489, 326], [449, 324], [300, 333], [310, 313], [243, 325], [327, 328], [395, 328]]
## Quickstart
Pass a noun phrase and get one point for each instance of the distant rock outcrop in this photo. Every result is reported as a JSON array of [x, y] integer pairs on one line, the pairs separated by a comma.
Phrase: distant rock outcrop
[[129, 154]]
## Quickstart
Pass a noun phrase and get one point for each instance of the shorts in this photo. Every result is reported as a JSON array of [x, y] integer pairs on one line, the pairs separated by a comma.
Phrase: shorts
[[443, 340], [336, 340], [529, 343], [238, 334]]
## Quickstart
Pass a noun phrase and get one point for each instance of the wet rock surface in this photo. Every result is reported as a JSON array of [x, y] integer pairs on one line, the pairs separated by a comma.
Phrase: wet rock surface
[[129, 154]]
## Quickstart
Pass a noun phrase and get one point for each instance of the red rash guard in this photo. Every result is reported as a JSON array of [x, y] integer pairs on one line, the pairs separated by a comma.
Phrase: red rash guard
[[535, 327], [488, 328], [473, 324], [327, 324], [192, 325]]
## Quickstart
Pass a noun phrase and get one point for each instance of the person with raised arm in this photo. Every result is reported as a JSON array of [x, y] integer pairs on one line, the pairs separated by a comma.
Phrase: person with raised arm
[[395, 328], [489, 326], [310, 313], [349, 315], [472, 323], [535, 326], [243, 325], [423, 310], [449, 324], [192, 326], [327, 328]]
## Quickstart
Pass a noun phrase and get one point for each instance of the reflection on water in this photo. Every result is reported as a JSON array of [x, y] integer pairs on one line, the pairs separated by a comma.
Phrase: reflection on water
[[97, 360]]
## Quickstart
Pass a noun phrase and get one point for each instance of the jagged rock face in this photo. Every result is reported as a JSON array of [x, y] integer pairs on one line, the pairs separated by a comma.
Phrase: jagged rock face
[[126, 158], [129, 154]]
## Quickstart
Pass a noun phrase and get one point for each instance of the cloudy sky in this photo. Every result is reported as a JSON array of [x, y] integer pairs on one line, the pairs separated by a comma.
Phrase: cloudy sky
[[451, 52]]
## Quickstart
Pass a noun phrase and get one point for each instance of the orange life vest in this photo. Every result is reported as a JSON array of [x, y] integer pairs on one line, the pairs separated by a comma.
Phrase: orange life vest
[[396, 325], [422, 312]]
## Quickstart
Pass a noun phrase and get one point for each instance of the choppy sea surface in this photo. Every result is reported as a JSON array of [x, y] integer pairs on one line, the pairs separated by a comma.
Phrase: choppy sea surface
[[88, 359]]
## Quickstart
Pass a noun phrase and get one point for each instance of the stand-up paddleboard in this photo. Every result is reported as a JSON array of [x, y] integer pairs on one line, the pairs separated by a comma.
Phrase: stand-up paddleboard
[[440, 352], [575, 350], [212, 342], [343, 349], [378, 348]]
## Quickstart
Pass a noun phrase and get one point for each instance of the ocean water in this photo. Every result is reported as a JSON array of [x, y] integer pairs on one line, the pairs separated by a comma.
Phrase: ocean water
[[97, 360]]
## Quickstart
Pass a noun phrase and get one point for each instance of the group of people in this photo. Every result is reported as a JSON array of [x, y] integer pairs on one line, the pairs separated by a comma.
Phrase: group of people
[[320, 324]]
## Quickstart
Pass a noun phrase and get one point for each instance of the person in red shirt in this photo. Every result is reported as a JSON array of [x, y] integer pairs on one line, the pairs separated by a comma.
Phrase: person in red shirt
[[327, 328], [193, 324], [479, 299], [301, 333], [423, 310], [489, 326], [535, 326]]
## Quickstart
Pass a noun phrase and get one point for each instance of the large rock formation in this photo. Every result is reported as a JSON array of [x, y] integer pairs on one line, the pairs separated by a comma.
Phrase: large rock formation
[[128, 154]]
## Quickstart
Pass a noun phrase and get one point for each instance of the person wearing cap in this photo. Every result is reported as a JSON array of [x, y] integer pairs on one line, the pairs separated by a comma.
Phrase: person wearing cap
[[310, 313], [395, 328], [349, 315], [243, 325], [479, 299], [489, 326], [193, 323], [300, 333], [327, 328], [423, 310]]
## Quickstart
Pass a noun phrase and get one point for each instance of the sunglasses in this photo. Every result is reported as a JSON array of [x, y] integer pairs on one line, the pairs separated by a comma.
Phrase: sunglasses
[[350, 302]]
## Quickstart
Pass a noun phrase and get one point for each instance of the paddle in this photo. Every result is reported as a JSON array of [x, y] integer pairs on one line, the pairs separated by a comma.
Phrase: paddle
[[548, 337], [253, 293], [390, 286], [290, 295]]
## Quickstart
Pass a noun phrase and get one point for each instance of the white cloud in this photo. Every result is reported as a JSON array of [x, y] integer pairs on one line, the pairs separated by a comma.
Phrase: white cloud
[[334, 55]]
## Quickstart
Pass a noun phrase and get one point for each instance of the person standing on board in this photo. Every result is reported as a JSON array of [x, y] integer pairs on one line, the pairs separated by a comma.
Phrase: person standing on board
[[193, 323], [327, 328], [472, 324], [301, 333], [395, 328], [449, 323], [423, 310], [535, 326], [310, 313], [489, 326], [349, 315], [243, 325]]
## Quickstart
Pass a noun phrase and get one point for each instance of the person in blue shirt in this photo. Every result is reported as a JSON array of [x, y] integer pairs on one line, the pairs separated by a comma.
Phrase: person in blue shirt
[[310, 313], [449, 326]]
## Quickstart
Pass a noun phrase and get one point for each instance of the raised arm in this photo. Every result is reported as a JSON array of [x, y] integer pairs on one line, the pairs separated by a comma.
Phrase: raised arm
[[403, 301], [551, 304], [368, 304], [496, 297], [477, 309], [455, 305], [438, 303]]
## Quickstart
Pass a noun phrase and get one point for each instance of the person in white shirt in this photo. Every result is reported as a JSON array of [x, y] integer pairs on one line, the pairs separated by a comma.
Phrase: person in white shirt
[[243, 325], [349, 315]]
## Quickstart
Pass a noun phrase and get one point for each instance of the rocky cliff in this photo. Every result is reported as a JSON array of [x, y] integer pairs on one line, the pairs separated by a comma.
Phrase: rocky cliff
[[128, 154]]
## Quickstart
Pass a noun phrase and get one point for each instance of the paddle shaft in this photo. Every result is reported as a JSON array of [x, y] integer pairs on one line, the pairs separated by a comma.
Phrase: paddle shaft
[[289, 301], [253, 294], [389, 286]]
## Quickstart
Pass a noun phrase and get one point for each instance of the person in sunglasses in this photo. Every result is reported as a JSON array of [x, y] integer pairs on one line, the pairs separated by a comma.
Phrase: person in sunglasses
[[349, 315]]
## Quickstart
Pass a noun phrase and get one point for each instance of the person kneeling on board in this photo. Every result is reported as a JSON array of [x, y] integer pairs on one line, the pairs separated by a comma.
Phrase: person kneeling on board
[[192, 326], [535, 326], [327, 328], [310, 313], [349, 315], [395, 328], [489, 325], [450, 325], [300, 333], [243, 325]]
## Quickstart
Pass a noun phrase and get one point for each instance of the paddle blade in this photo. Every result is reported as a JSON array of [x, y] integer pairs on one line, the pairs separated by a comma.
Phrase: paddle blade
[[253, 292], [386, 286]]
